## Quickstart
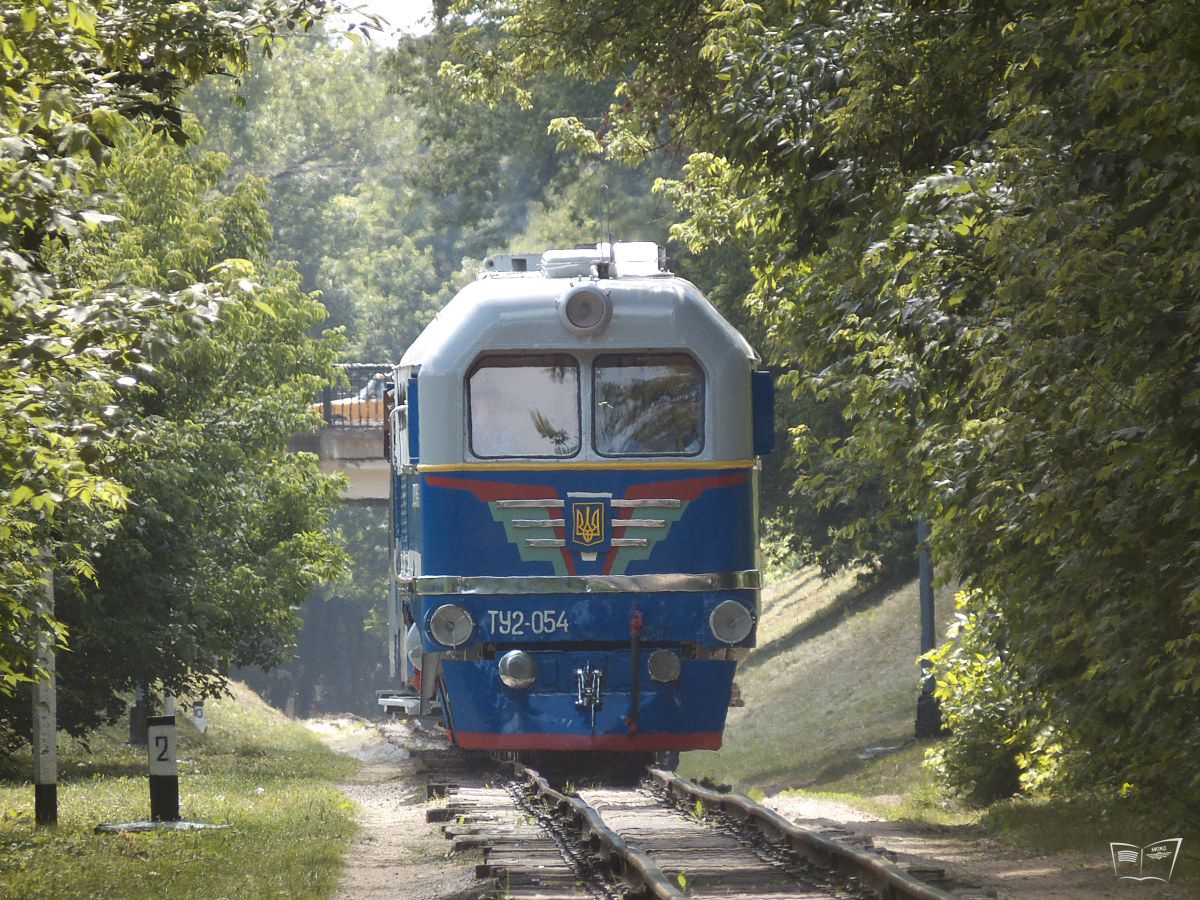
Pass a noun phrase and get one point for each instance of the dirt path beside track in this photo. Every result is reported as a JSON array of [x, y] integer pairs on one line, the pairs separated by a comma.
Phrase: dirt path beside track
[[397, 853], [999, 869]]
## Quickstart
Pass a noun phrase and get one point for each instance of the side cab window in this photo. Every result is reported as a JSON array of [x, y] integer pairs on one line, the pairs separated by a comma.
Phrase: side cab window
[[398, 427]]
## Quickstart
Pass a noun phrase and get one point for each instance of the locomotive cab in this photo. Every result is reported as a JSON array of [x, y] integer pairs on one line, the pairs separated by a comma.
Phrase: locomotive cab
[[575, 506]]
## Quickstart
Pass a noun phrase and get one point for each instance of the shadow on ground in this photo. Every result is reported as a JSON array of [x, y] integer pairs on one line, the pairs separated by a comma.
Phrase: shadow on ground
[[854, 599], [833, 767]]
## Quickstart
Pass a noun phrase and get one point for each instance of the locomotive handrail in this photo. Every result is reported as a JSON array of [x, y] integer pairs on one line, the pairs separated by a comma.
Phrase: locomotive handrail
[[426, 585]]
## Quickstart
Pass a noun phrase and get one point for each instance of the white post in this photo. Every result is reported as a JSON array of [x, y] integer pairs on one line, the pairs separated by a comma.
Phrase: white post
[[199, 717], [45, 721]]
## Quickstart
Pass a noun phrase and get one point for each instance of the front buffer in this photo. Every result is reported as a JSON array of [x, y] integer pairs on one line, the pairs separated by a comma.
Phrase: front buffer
[[584, 700]]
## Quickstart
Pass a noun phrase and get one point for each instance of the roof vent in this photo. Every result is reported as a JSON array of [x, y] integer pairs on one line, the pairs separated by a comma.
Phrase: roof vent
[[571, 263], [633, 258], [623, 259]]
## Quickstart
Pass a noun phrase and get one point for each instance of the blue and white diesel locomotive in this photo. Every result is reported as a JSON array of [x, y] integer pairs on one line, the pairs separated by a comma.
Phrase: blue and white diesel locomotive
[[574, 443]]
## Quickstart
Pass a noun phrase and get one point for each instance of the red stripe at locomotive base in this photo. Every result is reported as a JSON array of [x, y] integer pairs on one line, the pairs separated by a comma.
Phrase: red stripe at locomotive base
[[480, 740]]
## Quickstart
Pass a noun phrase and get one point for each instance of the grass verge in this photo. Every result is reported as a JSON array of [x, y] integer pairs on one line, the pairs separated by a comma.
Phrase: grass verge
[[895, 786], [830, 698], [265, 776], [831, 688]]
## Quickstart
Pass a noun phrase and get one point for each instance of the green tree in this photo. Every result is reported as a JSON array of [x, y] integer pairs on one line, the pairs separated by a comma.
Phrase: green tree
[[380, 189], [316, 123], [222, 536], [343, 642], [972, 231], [75, 75], [380, 274], [491, 177]]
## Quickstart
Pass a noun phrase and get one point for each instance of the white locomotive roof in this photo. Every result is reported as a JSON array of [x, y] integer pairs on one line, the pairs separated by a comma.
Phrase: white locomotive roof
[[518, 311], [506, 312]]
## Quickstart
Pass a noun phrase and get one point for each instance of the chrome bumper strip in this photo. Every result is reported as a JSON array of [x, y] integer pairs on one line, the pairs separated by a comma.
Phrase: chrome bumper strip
[[749, 579], [647, 504], [549, 503]]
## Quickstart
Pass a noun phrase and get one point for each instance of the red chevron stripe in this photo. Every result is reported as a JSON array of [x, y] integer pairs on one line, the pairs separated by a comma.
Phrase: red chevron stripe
[[685, 489], [493, 490], [487, 491]]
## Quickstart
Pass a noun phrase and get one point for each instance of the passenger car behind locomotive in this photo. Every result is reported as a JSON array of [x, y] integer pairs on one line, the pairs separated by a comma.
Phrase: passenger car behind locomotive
[[574, 444]]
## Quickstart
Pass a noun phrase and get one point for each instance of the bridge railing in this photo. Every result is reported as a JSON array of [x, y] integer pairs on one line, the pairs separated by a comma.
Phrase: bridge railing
[[357, 403]]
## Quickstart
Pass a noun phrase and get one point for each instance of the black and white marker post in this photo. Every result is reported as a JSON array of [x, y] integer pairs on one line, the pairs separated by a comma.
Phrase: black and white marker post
[[45, 723], [164, 769], [162, 747]]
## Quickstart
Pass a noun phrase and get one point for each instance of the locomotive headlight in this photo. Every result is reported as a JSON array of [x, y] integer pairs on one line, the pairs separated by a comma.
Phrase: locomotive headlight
[[664, 666], [730, 622], [451, 625], [412, 640], [585, 309], [517, 669]]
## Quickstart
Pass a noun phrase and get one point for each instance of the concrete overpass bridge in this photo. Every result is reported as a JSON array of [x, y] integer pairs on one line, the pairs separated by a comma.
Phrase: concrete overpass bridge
[[333, 643], [352, 441]]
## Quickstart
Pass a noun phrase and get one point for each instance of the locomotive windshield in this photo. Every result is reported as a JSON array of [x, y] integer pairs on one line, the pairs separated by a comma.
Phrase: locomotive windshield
[[648, 405], [526, 406]]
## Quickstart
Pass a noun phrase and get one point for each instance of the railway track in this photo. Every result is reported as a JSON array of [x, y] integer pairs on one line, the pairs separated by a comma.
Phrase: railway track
[[663, 837]]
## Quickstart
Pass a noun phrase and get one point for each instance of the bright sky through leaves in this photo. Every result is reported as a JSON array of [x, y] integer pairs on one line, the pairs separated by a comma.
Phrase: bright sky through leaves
[[408, 16]]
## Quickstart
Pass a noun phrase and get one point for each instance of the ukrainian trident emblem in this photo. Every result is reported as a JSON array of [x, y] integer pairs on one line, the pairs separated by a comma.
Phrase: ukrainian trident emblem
[[587, 521]]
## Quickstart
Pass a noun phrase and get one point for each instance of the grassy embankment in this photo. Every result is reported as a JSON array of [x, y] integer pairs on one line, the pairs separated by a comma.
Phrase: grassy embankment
[[265, 776], [831, 697], [830, 704]]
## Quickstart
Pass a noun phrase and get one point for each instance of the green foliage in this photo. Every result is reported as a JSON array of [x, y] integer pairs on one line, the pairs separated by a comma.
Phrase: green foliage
[[316, 123], [387, 196], [361, 530], [75, 76], [343, 641], [492, 175], [999, 730], [221, 536], [973, 234]]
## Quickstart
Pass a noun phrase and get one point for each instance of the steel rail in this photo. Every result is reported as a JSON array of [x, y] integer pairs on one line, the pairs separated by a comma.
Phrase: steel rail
[[888, 880], [632, 866]]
